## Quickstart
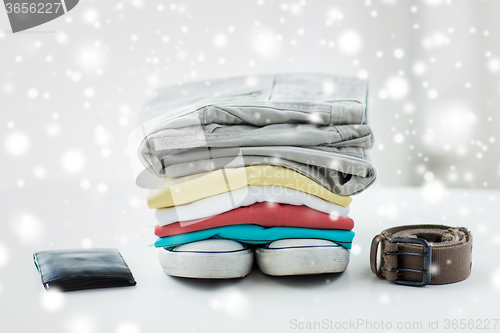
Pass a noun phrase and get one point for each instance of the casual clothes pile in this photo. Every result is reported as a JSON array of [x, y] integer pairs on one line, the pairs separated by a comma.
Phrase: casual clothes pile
[[260, 166]]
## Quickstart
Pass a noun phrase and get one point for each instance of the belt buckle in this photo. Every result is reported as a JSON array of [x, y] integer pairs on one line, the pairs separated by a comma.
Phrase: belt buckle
[[426, 257]]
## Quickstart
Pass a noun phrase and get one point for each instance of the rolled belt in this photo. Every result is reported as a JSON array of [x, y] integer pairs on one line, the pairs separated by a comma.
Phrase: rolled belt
[[418, 255]]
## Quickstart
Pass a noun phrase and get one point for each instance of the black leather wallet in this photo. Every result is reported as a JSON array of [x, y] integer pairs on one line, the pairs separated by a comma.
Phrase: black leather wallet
[[69, 270]]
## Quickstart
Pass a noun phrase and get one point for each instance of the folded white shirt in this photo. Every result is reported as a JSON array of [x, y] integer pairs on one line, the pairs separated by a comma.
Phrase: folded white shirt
[[245, 196]]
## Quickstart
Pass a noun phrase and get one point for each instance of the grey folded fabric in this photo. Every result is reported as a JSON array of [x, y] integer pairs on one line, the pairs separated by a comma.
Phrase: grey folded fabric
[[321, 99], [296, 135], [359, 176], [312, 123]]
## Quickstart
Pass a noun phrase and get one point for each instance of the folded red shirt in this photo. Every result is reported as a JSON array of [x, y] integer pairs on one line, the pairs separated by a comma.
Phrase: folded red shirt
[[266, 214]]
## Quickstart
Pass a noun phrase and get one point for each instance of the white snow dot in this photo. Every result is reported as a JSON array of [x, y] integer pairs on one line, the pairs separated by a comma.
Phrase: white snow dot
[[399, 53], [53, 130], [4, 255], [90, 15], [397, 87], [91, 58], [135, 202], [495, 279], [383, 94], [85, 184], [88, 92], [28, 228], [437, 39], [494, 65], [80, 324], [428, 176], [328, 87], [40, 172], [125, 109], [419, 68], [62, 38], [105, 152], [232, 302], [433, 191], [128, 327], [220, 40], [123, 121], [8, 87], [434, 2], [295, 9], [76, 76], [363, 74], [32, 93], [432, 94], [102, 187], [334, 15], [137, 3], [73, 161], [52, 300], [102, 136], [409, 108], [356, 249], [17, 143], [86, 243], [399, 138], [384, 299], [265, 43], [350, 42]]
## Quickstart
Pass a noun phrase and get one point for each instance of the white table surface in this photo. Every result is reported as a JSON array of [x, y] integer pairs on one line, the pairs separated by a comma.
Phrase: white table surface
[[58, 215]]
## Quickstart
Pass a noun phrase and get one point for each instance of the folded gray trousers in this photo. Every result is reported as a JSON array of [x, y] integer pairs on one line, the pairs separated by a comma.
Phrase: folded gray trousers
[[311, 123]]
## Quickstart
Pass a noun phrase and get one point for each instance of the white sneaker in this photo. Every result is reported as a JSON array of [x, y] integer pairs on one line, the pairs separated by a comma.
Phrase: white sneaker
[[301, 257], [208, 259]]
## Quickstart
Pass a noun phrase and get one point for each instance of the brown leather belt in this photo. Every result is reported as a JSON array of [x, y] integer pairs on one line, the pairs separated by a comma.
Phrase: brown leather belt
[[417, 255]]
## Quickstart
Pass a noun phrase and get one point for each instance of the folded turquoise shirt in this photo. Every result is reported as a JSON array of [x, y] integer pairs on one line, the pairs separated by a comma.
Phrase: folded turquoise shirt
[[255, 234]]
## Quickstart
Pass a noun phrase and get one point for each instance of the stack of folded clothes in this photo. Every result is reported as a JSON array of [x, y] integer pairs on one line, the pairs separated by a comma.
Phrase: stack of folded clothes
[[262, 164]]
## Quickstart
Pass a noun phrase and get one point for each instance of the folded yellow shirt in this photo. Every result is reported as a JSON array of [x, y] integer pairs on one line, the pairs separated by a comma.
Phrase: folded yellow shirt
[[183, 190]]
